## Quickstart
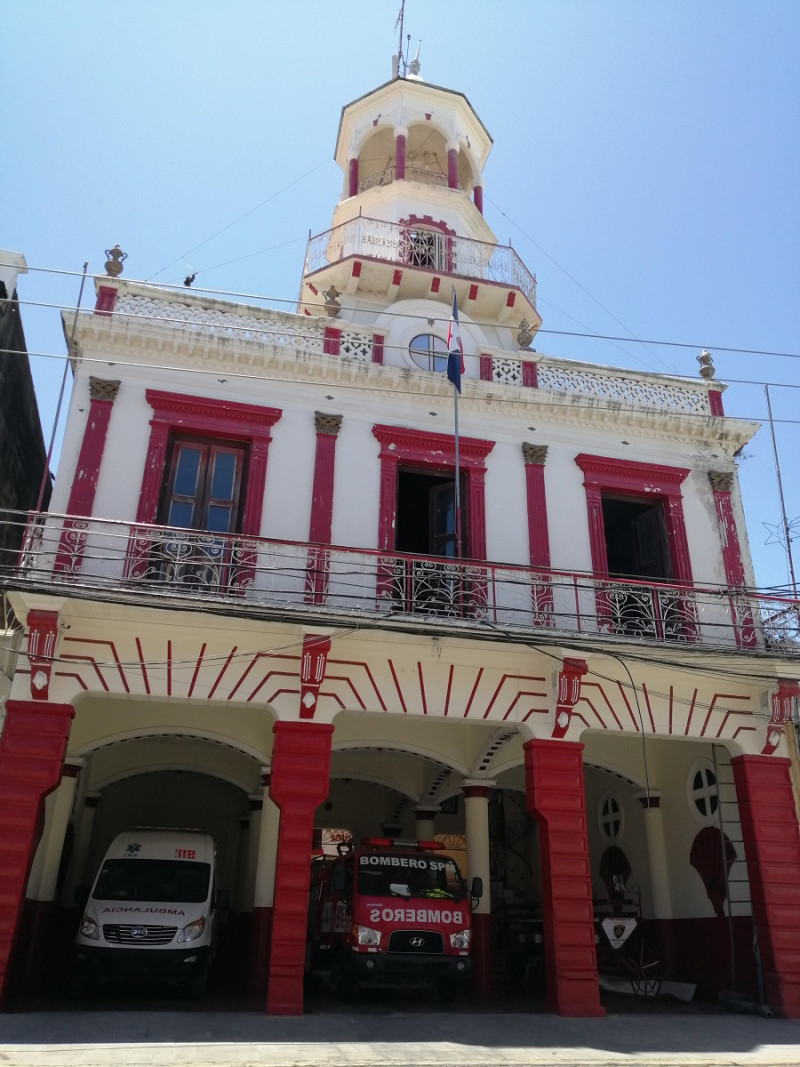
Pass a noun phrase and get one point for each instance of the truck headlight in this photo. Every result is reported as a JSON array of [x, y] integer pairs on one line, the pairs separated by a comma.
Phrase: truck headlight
[[365, 935], [89, 928], [192, 931], [460, 939]]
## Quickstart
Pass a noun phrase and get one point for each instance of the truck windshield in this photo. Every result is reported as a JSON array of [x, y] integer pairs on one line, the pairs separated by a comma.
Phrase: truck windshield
[[386, 875], [163, 880]]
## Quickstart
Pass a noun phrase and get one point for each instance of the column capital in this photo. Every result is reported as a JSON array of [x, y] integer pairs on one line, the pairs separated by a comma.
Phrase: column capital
[[721, 481], [534, 453], [103, 388], [400, 130], [329, 424]]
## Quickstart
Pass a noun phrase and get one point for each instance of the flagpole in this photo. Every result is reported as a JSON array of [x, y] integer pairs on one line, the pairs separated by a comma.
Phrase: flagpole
[[458, 474]]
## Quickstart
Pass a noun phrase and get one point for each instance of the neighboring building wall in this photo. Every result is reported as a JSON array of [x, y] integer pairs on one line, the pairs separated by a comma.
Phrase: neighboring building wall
[[22, 451]]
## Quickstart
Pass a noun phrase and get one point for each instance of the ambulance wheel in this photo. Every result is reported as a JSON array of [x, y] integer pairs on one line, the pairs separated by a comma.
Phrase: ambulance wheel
[[446, 991], [198, 986]]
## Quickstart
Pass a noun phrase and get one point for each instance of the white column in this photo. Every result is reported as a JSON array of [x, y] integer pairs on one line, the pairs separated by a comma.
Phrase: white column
[[58, 809], [656, 854], [476, 817], [267, 851], [78, 874], [426, 823]]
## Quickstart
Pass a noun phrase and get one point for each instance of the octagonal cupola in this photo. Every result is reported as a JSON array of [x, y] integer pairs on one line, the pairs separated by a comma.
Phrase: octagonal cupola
[[409, 223], [408, 130]]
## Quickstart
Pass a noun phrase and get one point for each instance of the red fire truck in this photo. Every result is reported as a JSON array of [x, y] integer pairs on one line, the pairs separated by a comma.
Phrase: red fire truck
[[390, 912]]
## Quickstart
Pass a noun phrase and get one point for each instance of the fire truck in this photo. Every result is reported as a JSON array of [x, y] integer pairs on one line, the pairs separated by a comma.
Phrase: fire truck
[[393, 913]]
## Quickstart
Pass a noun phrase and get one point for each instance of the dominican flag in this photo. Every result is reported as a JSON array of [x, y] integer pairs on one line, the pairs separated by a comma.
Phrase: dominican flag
[[455, 349]]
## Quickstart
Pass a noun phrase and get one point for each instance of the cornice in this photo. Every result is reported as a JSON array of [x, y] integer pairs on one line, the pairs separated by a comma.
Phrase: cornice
[[100, 337]]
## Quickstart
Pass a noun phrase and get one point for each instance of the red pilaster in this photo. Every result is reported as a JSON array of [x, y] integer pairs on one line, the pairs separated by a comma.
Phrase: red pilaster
[[106, 300], [715, 402], [352, 180], [331, 341], [299, 783], [477, 196], [84, 483], [32, 749], [320, 522], [772, 849], [530, 375], [400, 156], [486, 368], [555, 798], [722, 486], [377, 348], [538, 537]]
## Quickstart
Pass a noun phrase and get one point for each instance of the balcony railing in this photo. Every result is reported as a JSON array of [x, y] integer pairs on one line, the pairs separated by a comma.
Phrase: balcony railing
[[157, 563], [393, 243]]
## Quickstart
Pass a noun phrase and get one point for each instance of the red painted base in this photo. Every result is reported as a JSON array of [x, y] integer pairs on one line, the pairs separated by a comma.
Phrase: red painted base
[[555, 798], [32, 748], [261, 931], [482, 957], [772, 848], [298, 784]]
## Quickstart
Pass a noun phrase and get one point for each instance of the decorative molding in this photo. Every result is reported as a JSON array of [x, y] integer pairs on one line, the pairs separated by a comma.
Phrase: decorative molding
[[568, 692], [42, 636]]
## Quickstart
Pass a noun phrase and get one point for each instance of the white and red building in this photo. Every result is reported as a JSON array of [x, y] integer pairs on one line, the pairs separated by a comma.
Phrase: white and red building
[[247, 608]]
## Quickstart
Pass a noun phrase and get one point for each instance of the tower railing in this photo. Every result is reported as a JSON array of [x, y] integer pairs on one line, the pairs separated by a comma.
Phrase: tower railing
[[390, 242]]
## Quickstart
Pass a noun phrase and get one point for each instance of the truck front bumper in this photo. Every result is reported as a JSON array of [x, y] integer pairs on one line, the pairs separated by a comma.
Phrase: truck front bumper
[[394, 968]]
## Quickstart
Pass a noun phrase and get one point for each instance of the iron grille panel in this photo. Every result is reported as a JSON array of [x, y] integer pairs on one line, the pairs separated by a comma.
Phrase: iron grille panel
[[403, 941], [153, 935]]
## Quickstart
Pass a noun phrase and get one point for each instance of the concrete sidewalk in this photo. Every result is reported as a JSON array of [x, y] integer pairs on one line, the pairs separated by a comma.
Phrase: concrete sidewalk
[[392, 1039]]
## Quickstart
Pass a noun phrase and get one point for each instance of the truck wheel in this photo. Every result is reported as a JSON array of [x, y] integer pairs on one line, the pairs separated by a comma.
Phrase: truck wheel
[[342, 980], [446, 991]]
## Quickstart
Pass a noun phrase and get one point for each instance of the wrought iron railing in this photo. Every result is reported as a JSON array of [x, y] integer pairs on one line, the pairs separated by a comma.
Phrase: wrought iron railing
[[156, 562], [391, 243]]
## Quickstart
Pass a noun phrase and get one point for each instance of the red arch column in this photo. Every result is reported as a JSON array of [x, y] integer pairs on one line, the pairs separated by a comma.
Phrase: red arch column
[[298, 784], [555, 798], [772, 849], [32, 749]]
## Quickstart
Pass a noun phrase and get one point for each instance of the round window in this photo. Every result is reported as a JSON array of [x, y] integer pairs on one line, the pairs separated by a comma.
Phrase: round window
[[702, 788], [609, 817], [429, 352]]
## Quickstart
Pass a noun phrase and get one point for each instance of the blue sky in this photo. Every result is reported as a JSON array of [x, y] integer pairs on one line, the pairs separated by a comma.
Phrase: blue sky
[[645, 166]]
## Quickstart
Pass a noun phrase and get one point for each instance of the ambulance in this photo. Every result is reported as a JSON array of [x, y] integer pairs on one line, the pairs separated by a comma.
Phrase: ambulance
[[151, 912], [390, 912]]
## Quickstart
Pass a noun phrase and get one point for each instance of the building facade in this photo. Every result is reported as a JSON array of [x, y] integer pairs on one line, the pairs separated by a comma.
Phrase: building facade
[[277, 593]]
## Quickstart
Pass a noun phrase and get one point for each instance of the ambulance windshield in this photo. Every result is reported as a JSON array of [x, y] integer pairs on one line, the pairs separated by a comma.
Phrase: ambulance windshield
[[182, 881], [385, 875]]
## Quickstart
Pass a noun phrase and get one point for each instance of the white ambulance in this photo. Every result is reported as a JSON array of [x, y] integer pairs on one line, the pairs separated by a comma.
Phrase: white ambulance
[[151, 911]]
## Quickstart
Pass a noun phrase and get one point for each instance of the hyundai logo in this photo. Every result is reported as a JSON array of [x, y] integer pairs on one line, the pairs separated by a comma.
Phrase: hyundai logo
[[417, 942], [139, 931]]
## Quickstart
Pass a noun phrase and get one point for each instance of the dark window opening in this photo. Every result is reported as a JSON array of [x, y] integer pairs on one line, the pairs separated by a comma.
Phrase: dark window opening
[[426, 527], [636, 539], [426, 514]]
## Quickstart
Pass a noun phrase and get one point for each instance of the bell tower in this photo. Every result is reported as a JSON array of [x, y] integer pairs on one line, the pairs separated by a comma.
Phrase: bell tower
[[409, 223]]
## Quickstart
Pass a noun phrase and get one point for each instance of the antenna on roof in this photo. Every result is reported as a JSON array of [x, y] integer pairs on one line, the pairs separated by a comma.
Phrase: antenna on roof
[[399, 65]]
